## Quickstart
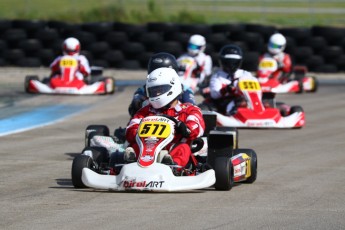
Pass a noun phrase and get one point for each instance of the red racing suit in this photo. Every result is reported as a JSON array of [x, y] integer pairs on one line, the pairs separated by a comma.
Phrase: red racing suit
[[284, 64], [83, 66], [179, 148]]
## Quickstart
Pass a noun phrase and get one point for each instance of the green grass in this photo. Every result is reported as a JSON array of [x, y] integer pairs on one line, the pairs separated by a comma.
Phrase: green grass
[[271, 12]]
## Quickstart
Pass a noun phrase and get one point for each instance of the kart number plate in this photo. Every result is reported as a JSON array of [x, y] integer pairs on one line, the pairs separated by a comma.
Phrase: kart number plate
[[266, 64], [68, 63], [154, 129], [249, 85]]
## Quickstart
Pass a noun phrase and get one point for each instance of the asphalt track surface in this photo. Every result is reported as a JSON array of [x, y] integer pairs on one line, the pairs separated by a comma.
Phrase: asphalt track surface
[[300, 184]]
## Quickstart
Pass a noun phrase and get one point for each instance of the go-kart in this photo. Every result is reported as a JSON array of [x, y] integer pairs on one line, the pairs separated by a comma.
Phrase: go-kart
[[253, 111], [68, 83], [272, 81], [188, 72], [101, 164]]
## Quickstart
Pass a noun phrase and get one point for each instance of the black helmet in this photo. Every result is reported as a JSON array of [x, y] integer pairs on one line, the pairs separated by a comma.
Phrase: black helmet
[[162, 59], [230, 58]]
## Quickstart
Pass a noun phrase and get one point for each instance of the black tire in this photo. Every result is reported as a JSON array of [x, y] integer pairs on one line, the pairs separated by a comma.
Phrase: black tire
[[224, 173], [27, 81], [109, 85], [13, 55], [80, 162], [130, 65], [30, 46], [113, 57], [253, 163], [29, 62], [116, 38], [316, 85], [132, 49], [101, 130], [296, 108]]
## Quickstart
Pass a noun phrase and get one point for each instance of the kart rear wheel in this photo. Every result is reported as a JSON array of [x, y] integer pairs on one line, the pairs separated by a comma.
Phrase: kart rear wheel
[[109, 83], [296, 108], [315, 85], [101, 130], [253, 164], [224, 173], [80, 162], [27, 82]]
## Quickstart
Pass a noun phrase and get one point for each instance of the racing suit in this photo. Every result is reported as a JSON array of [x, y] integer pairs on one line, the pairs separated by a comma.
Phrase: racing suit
[[284, 65], [224, 92], [179, 148], [204, 62], [140, 100], [84, 69]]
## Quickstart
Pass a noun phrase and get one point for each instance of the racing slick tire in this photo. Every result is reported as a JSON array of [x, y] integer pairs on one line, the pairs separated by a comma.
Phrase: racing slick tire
[[92, 130], [27, 82], [94, 158], [109, 83], [315, 85], [253, 164], [224, 173], [80, 162], [296, 108]]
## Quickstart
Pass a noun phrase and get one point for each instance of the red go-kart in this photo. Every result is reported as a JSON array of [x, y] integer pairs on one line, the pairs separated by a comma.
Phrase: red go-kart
[[68, 83], [272, 81]]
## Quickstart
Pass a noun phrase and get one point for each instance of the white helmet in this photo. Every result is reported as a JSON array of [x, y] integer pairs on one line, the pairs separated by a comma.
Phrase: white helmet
[[71, 46], [196, 44], [276, 43], [163, 86]]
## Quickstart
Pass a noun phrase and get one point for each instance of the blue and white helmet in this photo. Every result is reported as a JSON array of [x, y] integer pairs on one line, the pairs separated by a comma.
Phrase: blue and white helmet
[[196, 44], [276, 43]]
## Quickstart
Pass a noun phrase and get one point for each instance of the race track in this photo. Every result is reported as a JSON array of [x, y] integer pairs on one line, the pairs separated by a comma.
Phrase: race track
[[300, 184]]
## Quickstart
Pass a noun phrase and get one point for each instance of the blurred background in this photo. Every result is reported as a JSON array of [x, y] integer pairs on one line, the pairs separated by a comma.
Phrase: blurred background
[[125, 33], [271, 12]]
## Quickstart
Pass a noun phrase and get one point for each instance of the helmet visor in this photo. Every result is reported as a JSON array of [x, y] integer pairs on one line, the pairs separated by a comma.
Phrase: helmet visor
[[156, 91], [274, 46], [194, 47]]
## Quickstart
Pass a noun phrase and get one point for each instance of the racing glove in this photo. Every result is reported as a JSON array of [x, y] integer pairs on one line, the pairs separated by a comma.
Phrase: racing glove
[[182, 128]]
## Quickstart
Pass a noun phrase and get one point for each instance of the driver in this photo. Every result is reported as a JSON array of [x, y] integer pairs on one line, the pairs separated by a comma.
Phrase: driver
[[71, 47], [163, 87], [276, 46], [223, 83], [159, 60], [196, 49]]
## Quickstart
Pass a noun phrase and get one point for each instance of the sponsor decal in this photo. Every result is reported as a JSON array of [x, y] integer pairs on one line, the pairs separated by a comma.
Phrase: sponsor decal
[[260, 123], [142, 184]]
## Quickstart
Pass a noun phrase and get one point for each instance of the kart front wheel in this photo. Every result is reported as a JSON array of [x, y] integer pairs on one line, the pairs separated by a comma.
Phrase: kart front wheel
[[224, 173], [80, 162], [27, 82]]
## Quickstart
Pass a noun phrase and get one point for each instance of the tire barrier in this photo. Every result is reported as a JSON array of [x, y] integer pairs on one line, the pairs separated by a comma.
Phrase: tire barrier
[[33, 43]]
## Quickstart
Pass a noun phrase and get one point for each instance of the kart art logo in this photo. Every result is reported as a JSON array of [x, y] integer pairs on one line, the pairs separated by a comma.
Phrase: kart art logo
[[142, 184]]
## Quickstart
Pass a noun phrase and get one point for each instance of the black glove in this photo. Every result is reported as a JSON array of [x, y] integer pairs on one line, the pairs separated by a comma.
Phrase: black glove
[[231, 89], [182, 128], [135, 106]]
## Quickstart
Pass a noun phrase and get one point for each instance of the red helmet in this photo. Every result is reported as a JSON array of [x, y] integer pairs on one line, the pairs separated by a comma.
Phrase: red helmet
[[71, 46]]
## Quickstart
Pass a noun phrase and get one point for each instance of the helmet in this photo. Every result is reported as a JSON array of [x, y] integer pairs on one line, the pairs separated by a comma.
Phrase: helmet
[[196, 44], [230, 58], [276, 43], [71, 46], [163, 86], [162, 59]]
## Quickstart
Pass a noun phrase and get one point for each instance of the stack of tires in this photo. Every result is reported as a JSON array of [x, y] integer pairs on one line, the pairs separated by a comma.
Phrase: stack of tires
[[30, 43]]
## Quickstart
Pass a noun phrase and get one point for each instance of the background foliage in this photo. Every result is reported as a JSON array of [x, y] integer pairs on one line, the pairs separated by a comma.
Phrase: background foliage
[[301, 13]]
